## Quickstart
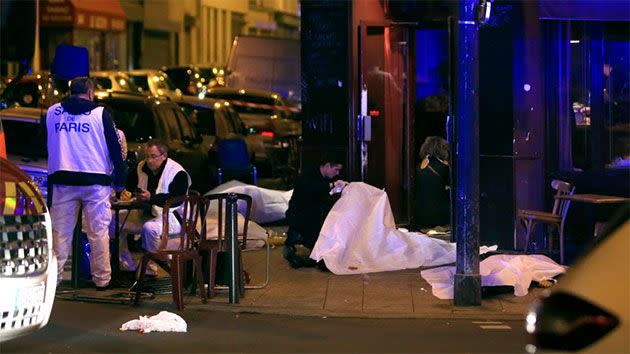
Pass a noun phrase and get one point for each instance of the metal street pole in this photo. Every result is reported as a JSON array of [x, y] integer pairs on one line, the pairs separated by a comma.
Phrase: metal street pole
[[467, 279]]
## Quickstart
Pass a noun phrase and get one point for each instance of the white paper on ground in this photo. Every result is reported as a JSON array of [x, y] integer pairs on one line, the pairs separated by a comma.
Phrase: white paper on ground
[[359, 235], [268, 205], [162, 322], [497, 270]]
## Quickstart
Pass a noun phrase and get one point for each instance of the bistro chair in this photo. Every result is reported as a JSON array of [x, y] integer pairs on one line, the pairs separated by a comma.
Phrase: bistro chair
[[233, 161], [554, 219], [173, 257], [214, 233]]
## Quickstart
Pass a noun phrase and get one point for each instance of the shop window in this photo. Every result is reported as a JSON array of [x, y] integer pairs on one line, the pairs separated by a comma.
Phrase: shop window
[[599, 93]]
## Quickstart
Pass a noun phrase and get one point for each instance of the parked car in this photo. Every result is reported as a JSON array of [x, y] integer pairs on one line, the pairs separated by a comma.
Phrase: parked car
[[214, 74], [588, 310], [26, 143], [29, 269], [262, 112], [142, 118], [113, 81], [156, 83], [188, 79], [34, 90], [216, 120]]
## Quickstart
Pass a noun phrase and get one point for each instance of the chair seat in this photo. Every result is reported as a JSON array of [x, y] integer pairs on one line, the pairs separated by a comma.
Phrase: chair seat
[[541, 216]]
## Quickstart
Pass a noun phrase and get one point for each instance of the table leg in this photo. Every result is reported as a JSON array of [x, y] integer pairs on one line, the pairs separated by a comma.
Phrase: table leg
[[115, 259]]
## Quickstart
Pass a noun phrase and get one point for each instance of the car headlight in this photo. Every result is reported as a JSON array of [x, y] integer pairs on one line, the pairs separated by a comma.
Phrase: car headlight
[[567, 323]]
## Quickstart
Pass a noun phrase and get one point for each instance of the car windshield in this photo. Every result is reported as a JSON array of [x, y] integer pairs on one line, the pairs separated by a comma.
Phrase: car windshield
[[25, 138]]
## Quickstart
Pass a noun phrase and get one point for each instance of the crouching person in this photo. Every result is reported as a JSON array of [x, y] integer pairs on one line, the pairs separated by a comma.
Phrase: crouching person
[[155, 179], [312, 199]]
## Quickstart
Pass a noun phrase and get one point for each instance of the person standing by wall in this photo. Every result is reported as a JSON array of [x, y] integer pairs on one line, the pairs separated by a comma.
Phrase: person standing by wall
[[84, 160]]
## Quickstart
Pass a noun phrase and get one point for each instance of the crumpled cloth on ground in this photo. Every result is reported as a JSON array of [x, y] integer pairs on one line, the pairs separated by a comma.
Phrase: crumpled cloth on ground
[[268, 205], [497, 270], [162, 322], [359, 235]]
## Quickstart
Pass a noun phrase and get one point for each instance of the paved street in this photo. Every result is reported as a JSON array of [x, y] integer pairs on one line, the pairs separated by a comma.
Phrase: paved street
[[77, 327]]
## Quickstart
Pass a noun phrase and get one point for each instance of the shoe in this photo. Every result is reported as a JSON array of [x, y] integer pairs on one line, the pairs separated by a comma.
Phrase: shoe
[[104, 288], [322, 266], [294, 260], [126, 262]]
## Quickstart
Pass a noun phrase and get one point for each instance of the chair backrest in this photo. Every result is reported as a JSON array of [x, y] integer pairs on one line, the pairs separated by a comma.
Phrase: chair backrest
[[561, 206], [188, 216], [232, 155], [210, 201]]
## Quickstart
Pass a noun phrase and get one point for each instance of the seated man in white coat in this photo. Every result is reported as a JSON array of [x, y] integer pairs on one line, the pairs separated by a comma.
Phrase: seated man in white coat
[[155, 179]]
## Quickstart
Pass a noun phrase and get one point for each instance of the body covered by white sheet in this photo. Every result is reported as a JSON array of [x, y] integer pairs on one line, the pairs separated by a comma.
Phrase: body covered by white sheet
[[359, 235], [268, 205], [497, 270]]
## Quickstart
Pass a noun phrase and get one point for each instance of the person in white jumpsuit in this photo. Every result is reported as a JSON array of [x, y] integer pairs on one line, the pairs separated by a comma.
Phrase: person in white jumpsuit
[[84, 160], [155, 179]]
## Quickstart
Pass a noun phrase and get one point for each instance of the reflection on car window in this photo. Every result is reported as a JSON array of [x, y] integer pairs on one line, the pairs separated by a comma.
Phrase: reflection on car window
[[135, 120], [103, 83], [26, 139], [185, 125], [140, 81], [203, 119], [168, 117]]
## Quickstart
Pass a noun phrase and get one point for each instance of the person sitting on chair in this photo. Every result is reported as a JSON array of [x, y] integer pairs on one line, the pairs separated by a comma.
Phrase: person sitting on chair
[[310, 203], [155, 179], [432, 205]]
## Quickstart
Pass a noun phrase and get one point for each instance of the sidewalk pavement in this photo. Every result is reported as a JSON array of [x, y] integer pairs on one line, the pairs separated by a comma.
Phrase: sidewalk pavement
[[311, 292]]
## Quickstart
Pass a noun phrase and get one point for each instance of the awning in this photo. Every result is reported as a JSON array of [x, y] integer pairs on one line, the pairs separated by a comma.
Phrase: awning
[[103, 15]]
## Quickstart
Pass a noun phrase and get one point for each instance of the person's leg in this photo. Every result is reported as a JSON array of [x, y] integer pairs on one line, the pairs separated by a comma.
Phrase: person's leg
[[132, 225], [289, 252], [64, 213], [98, 214], [152, 235]]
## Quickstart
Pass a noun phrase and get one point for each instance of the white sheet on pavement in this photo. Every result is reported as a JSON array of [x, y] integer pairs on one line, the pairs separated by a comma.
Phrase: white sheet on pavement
[[360, 236], [268, 205], [162, 322], [502, 269]]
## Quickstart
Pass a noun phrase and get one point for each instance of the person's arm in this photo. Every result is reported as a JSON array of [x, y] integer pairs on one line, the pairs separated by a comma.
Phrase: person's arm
[[119, 174], [179, 186]]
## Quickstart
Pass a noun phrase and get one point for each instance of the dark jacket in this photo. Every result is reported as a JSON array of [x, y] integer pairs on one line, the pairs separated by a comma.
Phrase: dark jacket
[[309, 204], [431, 203]]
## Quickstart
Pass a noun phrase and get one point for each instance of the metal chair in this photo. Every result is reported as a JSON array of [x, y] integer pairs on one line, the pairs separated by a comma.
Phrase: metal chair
[[174, 260], [215, 240], [233, 161], [555, 218]]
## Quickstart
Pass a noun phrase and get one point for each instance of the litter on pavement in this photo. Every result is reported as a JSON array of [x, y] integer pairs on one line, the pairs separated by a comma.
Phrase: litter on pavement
[[162, 322]]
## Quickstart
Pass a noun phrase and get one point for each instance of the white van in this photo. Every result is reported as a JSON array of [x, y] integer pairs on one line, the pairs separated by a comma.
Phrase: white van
[[271, 64]]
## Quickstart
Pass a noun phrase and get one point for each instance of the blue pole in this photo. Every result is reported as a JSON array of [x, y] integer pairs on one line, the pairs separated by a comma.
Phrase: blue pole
[[467, 285]]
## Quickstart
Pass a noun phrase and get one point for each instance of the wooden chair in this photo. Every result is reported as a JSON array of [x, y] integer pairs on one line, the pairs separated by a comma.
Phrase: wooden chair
[[555, 218], [214, 239], [173, 260]]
